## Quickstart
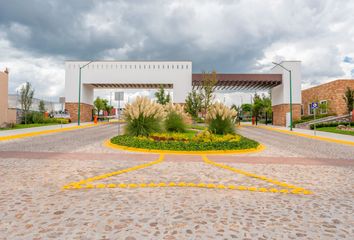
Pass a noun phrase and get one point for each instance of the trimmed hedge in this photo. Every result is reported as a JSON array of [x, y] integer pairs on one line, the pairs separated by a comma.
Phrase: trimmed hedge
[[331, 124], [308, 118], [137, 142]]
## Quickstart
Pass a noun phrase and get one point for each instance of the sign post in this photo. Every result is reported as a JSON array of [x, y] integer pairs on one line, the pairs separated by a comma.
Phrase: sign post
[[314, 106], [119, 96]]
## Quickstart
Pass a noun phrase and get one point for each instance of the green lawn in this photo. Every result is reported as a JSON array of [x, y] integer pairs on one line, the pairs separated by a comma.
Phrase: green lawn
[[335, 130], [20, 126]]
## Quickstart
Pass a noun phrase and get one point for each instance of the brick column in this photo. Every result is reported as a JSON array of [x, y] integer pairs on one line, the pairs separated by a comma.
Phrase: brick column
[[86, 111], [279, 113]]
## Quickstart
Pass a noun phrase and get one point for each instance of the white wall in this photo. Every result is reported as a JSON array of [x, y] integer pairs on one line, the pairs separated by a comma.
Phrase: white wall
[[155, 72], [281, 93]]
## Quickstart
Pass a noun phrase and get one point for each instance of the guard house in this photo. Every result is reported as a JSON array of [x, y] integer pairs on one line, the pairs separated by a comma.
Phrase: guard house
[[178, 76]]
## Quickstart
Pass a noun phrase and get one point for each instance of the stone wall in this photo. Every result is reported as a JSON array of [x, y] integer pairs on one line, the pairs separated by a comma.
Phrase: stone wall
[[279, 113], [85, 109], [333, 92]]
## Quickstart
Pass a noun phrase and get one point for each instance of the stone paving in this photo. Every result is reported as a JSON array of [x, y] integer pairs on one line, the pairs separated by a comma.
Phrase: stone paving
[[34, 206]]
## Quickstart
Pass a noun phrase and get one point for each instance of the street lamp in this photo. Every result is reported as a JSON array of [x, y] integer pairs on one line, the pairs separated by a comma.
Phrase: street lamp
[[291, 94], [78, 109]]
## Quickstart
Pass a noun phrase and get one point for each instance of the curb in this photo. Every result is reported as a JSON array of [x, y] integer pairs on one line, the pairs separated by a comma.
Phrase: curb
[[108, 144]]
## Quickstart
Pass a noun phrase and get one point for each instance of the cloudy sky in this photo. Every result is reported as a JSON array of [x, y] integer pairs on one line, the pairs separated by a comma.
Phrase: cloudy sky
[[37, 36]]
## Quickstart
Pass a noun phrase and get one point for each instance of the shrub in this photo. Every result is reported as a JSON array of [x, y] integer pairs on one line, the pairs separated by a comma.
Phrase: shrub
[[147, 143], [176, 118], [143, 117], [331, 124], [174, 123], [221, 119], [207, 136]]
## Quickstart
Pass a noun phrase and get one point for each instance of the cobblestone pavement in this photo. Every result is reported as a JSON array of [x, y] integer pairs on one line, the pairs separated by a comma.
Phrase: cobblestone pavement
[[34, 206], [284, 145]]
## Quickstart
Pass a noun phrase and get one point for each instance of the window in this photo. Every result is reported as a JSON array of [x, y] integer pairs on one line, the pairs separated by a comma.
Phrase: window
[[302, 109], [310, 109], [186, 66], [323, 107], [181, 66], [177, 66]]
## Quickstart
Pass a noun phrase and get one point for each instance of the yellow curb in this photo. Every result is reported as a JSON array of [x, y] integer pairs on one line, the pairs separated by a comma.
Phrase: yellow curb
[[326, 139], [31, 134], [109, 144], [295, 189], [187, 185]]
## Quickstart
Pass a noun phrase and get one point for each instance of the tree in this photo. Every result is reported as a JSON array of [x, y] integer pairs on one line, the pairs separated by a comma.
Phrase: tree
[[194, 103], [162, 98], [26, 98], [349, 99], [108, 108], [246, 107], [258, 105], [41, 106], [267, 104], [209, 81], [99, 105]]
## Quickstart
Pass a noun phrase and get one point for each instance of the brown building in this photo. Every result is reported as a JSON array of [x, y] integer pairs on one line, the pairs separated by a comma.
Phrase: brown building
[[329, 94]]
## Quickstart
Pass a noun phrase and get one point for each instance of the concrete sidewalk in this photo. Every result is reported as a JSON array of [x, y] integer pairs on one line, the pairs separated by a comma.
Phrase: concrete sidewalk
[[333, 136], [5, 133]]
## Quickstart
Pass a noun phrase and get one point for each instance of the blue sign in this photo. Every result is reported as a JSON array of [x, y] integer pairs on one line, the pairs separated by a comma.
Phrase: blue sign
[[314, 105]]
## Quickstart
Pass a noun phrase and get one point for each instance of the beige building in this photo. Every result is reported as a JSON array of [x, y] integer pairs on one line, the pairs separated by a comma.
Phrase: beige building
[[6, 115]]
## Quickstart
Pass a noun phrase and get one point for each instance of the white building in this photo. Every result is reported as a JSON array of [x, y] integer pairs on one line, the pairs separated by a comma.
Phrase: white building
[[175, 75]]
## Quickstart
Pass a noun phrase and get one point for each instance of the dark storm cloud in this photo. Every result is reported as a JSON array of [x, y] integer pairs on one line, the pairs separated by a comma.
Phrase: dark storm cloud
[[65, 28], [228, 36]]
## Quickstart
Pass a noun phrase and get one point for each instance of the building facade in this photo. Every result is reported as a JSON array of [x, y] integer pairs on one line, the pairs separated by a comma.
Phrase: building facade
[[178, 76], [329, 95], [6, 115]]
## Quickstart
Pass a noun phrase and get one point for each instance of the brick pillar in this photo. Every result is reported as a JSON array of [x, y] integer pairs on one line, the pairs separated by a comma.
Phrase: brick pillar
[[86, 111], [279, 113]]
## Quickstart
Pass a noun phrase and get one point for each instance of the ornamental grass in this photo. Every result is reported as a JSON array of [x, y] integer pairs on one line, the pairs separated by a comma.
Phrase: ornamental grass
[[143, 117], [220, 119], [176, 118]]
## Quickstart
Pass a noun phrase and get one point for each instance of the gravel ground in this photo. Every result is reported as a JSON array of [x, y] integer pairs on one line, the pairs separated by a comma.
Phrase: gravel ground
[[34, 206]]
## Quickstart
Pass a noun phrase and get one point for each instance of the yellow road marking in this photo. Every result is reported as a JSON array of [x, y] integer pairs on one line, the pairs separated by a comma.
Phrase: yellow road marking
[[31, 134], [294, 188], [187, 185], [327, 139], [87, 183], [78, 185], [109, 144]]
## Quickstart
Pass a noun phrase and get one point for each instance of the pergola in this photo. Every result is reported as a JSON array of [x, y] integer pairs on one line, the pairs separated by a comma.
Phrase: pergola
[[132, 85], [241, 82]]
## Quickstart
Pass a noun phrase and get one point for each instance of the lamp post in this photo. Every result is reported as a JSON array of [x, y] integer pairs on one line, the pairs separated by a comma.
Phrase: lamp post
[[291, 94], [79, 107]]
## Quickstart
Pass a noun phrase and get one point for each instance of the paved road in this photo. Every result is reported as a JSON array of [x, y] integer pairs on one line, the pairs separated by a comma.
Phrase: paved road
[[33, 205], [285, 145], [84, 140]]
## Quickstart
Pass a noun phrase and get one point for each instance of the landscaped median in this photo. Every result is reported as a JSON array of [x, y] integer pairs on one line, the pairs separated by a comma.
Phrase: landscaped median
[[152, 127], [184, 143]]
